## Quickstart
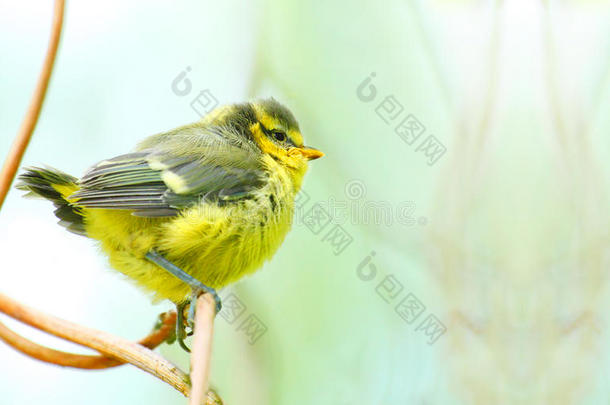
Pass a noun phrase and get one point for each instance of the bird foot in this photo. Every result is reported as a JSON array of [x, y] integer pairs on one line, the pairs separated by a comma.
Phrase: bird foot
[[182, 323]]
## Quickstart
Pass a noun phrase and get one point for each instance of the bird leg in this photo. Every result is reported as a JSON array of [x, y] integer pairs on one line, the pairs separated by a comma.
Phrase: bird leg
[[197, 287]]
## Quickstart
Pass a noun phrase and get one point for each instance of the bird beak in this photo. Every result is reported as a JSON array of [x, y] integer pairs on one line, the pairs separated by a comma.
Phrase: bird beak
[[309, 153]]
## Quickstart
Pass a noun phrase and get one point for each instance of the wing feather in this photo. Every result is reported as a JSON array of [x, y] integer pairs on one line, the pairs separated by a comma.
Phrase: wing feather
[[158, 182]]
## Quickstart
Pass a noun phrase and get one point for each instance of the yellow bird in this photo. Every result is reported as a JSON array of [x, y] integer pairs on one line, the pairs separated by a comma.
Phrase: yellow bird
[[193, 209]]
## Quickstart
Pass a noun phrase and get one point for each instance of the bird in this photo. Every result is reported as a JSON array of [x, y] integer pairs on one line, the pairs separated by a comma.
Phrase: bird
[[190, 210]]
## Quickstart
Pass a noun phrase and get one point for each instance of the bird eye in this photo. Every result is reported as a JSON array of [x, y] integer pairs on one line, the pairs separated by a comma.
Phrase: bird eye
[[280, 136]]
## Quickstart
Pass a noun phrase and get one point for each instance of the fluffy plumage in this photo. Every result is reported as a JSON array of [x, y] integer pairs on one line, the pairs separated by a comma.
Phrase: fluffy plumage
[[215, 197]]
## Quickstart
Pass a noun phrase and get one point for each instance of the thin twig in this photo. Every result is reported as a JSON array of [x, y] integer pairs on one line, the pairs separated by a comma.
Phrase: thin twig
[[82, 361], [202, 348], [31, 117], [105, 343]]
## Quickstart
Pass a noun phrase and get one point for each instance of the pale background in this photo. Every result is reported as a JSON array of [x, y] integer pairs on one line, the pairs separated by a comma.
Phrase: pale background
[[511, 252]]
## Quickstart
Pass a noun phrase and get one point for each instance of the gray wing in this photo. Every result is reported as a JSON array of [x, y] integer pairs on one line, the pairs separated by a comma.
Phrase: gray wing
[[157, 183]]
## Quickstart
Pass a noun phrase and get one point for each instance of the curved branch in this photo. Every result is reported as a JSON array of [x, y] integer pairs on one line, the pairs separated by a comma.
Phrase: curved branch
[[31, 117], [82, 361], [105, 343]]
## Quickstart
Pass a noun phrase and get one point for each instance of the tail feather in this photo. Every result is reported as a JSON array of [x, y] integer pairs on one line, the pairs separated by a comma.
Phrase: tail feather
[[55, 186]]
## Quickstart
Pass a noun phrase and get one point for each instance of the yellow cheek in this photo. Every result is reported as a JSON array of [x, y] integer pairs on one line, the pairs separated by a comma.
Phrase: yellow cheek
[[266, 145]]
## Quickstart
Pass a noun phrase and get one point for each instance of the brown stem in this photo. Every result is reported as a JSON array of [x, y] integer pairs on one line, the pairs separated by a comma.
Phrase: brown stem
[[202, 348], [105, 343], [31, 117], [81, 361]]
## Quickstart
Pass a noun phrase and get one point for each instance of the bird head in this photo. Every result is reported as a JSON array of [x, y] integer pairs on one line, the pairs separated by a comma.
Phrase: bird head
[[272, 127], [277, 133]]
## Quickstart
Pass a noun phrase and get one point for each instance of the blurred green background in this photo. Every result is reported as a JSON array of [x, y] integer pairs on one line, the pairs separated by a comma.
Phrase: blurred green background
[[502, 238]]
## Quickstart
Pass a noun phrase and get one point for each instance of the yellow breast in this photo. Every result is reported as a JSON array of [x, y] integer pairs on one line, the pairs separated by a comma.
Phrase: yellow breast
[[215, 244]]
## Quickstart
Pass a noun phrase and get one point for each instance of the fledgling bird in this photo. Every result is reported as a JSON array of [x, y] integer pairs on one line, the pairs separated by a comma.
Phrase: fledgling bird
[[195, 208]]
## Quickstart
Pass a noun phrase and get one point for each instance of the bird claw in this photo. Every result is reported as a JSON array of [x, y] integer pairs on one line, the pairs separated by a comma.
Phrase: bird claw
[[181, 325], [197, 291], [181, 333]]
